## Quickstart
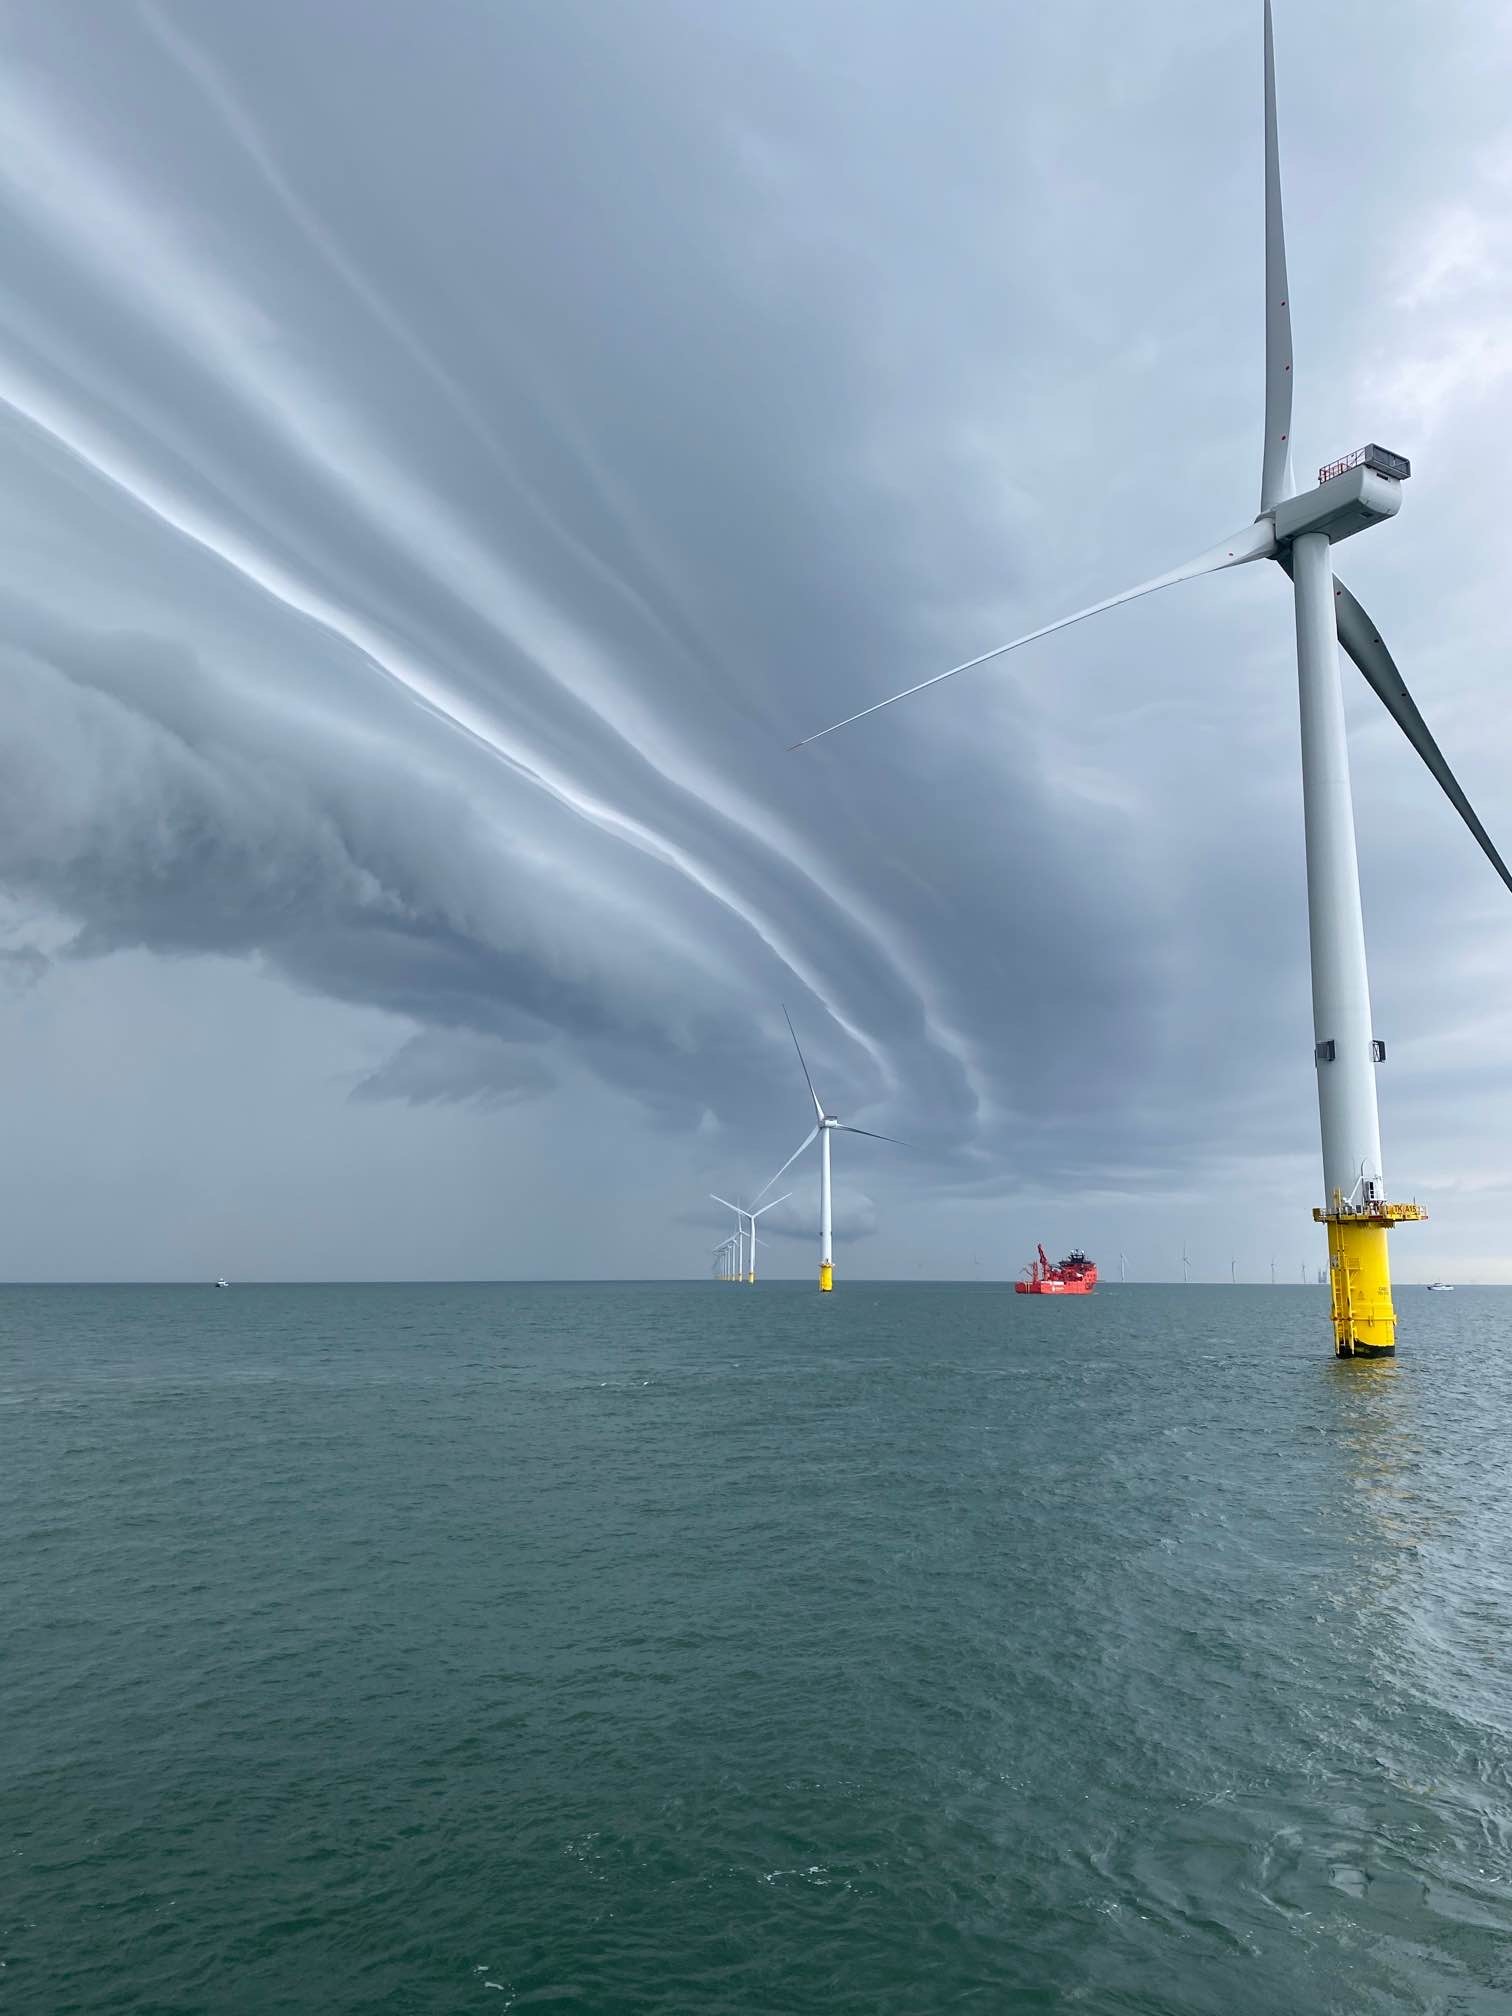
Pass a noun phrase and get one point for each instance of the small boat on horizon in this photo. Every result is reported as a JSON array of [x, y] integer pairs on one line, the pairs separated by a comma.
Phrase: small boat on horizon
[[222, 1282], [1440, 1287]]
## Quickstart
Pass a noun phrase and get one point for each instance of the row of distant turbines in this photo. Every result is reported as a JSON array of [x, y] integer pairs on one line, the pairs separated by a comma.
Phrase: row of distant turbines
[[1299, 533], [735, 1257], [1320, 1277]]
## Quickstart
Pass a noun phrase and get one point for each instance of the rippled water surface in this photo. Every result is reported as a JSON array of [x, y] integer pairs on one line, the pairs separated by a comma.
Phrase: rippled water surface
[[711, 1649]]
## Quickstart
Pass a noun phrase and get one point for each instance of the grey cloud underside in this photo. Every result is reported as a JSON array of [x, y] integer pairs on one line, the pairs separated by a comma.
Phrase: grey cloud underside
[[520, 424], [433, 1066]]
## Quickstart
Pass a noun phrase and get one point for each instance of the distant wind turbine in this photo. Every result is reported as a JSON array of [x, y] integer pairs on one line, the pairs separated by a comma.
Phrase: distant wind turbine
[[825, 1125], [742, 1219], [1186, 1267], [1299, 532], [1123, 1266]]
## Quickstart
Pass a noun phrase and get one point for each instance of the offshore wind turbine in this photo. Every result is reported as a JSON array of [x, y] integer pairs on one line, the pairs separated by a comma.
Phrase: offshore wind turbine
[[742, 1219], [1298, 532], [825, 1125]]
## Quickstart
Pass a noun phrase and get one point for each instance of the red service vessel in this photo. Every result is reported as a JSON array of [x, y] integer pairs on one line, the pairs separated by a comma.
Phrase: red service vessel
[[1076, 1275]]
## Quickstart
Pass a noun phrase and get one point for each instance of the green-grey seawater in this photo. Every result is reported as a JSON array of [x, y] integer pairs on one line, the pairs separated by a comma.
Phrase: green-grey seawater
[[707, 1649]]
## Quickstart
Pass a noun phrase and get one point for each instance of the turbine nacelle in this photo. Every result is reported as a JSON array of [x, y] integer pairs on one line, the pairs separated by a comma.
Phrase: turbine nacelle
[[1350, 501]]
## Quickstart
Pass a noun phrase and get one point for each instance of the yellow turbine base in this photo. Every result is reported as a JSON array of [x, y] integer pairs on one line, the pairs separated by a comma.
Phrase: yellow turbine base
[[1359, 1268], [826, 1277], [751, 1278]]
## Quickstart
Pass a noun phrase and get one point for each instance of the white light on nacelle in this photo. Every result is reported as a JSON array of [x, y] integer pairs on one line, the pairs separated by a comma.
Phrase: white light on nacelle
[[1381, 460]]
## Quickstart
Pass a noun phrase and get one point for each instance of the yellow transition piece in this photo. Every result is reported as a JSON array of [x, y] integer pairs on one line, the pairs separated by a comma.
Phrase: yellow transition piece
[[1359, 1271]]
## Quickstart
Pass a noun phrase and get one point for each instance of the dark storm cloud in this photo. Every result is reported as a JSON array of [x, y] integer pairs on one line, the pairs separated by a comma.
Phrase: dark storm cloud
[[530, 420]]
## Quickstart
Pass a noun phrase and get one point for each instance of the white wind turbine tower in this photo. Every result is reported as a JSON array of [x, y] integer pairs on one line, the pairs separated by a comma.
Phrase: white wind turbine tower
[[825, 1124], [1298, 533], [742, 1219]]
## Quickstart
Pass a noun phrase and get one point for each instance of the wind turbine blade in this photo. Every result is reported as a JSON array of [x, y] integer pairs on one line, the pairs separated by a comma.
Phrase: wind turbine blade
[[874, 1137], [1276, 481], [1255, 542], [1362, 641], [807, 1141], [728, 1205], [754, 1215], [799, 1048]]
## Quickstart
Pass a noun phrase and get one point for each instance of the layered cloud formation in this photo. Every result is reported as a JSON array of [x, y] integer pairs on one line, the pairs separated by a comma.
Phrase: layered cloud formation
[[452, 453]]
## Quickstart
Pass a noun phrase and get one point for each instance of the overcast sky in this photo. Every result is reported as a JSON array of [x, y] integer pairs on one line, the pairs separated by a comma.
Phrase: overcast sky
[[448, 452]]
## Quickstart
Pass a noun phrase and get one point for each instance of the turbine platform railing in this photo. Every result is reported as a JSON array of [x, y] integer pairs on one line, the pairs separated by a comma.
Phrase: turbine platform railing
[[1377, 1212]]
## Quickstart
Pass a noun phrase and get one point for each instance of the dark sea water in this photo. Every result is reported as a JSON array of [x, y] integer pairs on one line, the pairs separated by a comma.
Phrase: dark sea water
[[707, 1649]]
